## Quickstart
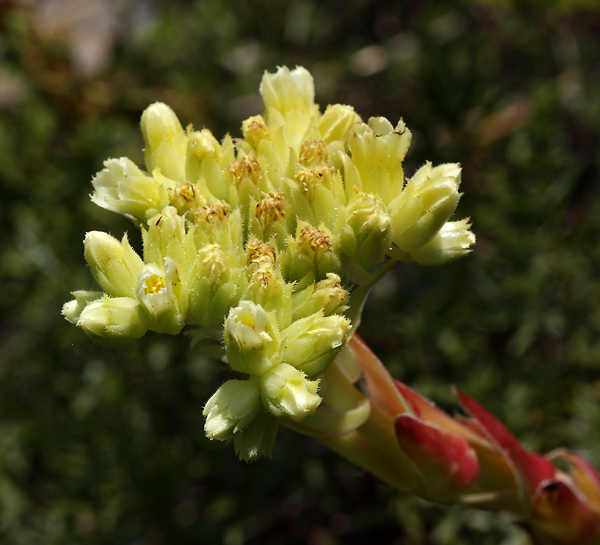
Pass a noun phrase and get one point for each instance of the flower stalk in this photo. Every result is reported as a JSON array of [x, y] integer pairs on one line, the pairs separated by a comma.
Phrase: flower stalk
[[412, 445]]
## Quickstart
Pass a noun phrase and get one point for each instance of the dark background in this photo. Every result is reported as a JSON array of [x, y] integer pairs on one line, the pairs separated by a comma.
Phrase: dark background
[[104, 445]]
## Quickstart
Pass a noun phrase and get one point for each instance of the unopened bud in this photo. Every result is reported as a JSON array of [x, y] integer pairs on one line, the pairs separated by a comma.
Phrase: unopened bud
[[288, 90], [255, 130], [112, 319], [231, 408], [202, 145], [169, 236], [452, 241], [327, 295], [185, 197], [310, 178], [212, 263], [270, 209], [377, 152], [371, 228], [73, 309], [114, 264], [336, 122], [218, 223], [426, 203], [311, 343], [259, 252], [166, 141], [313, 153], [310, 255], [268, 288], [217, 212], [285, 391], [257, 438]]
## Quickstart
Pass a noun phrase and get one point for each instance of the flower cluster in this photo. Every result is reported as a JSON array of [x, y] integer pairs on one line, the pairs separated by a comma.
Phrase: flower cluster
[[264, 247]]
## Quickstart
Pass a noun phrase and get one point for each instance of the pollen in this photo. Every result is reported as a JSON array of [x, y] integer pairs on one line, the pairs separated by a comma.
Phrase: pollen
[[315, 239], [255, 129], [218, 211], [314, 152], [260, 252], [154, 284], [310, 178], [270, 209], [245, 168], [185, 196]]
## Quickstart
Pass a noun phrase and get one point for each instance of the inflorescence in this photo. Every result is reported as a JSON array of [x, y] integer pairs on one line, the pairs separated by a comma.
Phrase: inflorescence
[[264, 247]]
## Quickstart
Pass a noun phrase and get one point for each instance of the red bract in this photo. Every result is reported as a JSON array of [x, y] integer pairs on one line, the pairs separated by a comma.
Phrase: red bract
[[562, 508], [478, 461], [447, 463]]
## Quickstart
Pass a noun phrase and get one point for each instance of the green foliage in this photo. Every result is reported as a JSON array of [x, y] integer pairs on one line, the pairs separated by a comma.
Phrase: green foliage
[[103, 444]]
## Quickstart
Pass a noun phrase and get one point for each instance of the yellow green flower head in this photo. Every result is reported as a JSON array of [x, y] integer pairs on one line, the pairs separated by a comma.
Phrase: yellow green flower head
[[263, 247]]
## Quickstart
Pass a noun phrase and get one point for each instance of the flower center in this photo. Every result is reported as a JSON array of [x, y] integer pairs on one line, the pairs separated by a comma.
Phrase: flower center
[[154, 284]]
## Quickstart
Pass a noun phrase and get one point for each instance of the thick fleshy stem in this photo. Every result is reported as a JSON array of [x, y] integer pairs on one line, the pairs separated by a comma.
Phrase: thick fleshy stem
[[406, 441]]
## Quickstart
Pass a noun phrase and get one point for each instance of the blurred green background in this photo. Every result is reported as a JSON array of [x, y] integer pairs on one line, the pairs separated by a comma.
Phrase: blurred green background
[[104, 445]]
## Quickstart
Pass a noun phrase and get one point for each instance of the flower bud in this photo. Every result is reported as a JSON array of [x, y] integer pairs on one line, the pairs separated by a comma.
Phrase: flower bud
[[123, 188], [245, 168], [285, 391], [371, 231], [259, 252], [311, 255], [157, 290], [203, 145], [270, 209], [426, 203], [257, 438], [166, 141], [289, 105], [251, 338], [452, 241], [72, 309], [309, 179], [267, 287], [222, 300], [219, 224], [287, 90], [169, 235], [267, 217], [377, 152], [327, 295], [336, 122], [204, 164], [255, 130], [211, 271], [311, 343], [314, 153], [114, 264], [112, 319], [186, 197], [246, 183], [209, 219], [230, 409]]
